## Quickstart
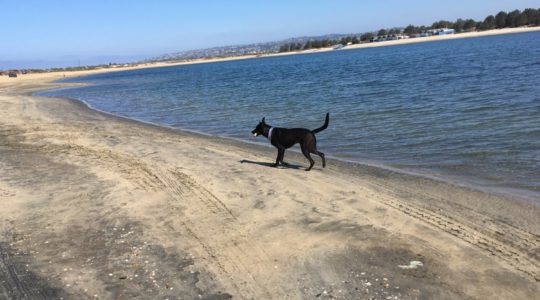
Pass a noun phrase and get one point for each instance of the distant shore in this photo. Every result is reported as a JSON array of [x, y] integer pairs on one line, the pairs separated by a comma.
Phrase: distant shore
[[434, 38], [61, 74]]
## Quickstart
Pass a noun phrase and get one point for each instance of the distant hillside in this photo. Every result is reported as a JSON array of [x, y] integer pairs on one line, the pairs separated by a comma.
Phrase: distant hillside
[[515, 18], [237, 50]]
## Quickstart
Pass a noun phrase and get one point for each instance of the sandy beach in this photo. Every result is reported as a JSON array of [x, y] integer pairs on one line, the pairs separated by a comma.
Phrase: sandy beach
[[100, 207]]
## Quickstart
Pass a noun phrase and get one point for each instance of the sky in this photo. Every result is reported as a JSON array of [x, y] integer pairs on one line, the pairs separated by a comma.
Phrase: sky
[[56, 33]]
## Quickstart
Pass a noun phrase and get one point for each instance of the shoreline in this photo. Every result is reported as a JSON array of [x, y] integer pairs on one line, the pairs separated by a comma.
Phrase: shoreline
[[464, 35], [459, 181], [106, 206], [528, 197], [511, 193]]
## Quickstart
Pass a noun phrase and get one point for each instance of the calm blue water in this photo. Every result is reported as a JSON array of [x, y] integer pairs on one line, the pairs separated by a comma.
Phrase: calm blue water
[[463, 109]]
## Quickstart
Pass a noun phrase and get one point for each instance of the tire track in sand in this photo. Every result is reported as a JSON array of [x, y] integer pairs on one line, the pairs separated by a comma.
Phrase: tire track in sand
[[507, 252], [213, 224], [217, 231]]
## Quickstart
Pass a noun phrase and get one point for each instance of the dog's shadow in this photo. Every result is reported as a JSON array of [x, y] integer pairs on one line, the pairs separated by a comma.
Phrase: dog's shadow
[[271, 165]]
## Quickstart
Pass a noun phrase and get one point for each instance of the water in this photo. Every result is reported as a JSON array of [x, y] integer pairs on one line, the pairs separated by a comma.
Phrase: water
[[466, 110]]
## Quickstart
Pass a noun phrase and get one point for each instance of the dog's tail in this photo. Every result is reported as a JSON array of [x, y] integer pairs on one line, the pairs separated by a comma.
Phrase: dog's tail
[[324, 126]]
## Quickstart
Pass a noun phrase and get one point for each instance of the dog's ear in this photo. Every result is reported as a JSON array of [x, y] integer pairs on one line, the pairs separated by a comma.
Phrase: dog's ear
[[263, 121]]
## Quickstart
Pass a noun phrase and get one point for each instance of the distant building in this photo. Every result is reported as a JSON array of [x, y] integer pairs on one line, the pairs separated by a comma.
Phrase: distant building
[[392, 37], [442, 31], [379, 38], [447, 31]]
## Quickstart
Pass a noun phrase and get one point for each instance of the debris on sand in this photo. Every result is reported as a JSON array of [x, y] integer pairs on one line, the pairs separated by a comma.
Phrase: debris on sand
[[412, 265]]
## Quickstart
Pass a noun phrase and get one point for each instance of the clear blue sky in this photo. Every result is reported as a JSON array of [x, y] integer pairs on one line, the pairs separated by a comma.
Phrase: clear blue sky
[[44, 33]]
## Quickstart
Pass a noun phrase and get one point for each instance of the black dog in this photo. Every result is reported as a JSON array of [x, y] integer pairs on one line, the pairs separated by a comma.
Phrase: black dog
[[283, 138]]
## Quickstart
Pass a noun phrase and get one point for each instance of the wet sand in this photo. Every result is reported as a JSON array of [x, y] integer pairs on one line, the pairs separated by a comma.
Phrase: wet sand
[[96, 206]]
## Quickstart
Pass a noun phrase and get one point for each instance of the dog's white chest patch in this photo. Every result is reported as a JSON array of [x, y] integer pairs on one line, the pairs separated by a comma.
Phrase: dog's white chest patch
[[270, 133]]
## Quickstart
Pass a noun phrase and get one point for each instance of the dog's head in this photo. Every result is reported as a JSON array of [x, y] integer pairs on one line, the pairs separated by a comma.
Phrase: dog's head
[[259, 129]]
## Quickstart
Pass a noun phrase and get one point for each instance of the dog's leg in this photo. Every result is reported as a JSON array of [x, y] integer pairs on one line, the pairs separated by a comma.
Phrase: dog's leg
[[306, 154], [279, 157], [322, 157]]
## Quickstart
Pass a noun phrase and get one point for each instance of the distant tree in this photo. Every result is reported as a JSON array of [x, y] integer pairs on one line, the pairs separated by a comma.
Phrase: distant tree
[[442, 24], [469, 25], [411, 29], [500, 19], [308, 45], [382, 32], [393, 31], [284, 48], [533, 16], [458, 25], [511, 18], [292, 46], [478, 25], [367, 36], [489, 23], [355, 40], [521, 20]]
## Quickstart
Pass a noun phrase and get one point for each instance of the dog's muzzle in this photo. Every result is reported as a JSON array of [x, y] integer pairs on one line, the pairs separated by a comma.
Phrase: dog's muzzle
[[255, 134]]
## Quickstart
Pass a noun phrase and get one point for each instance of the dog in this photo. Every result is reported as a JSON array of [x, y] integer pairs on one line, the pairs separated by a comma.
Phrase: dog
[[284, 138]]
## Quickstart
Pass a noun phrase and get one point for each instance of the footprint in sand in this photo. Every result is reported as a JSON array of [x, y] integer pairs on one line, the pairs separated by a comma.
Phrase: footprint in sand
[[6, 193]]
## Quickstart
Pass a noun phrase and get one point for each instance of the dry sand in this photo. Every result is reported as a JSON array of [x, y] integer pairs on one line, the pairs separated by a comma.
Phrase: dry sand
[[96, 206]]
